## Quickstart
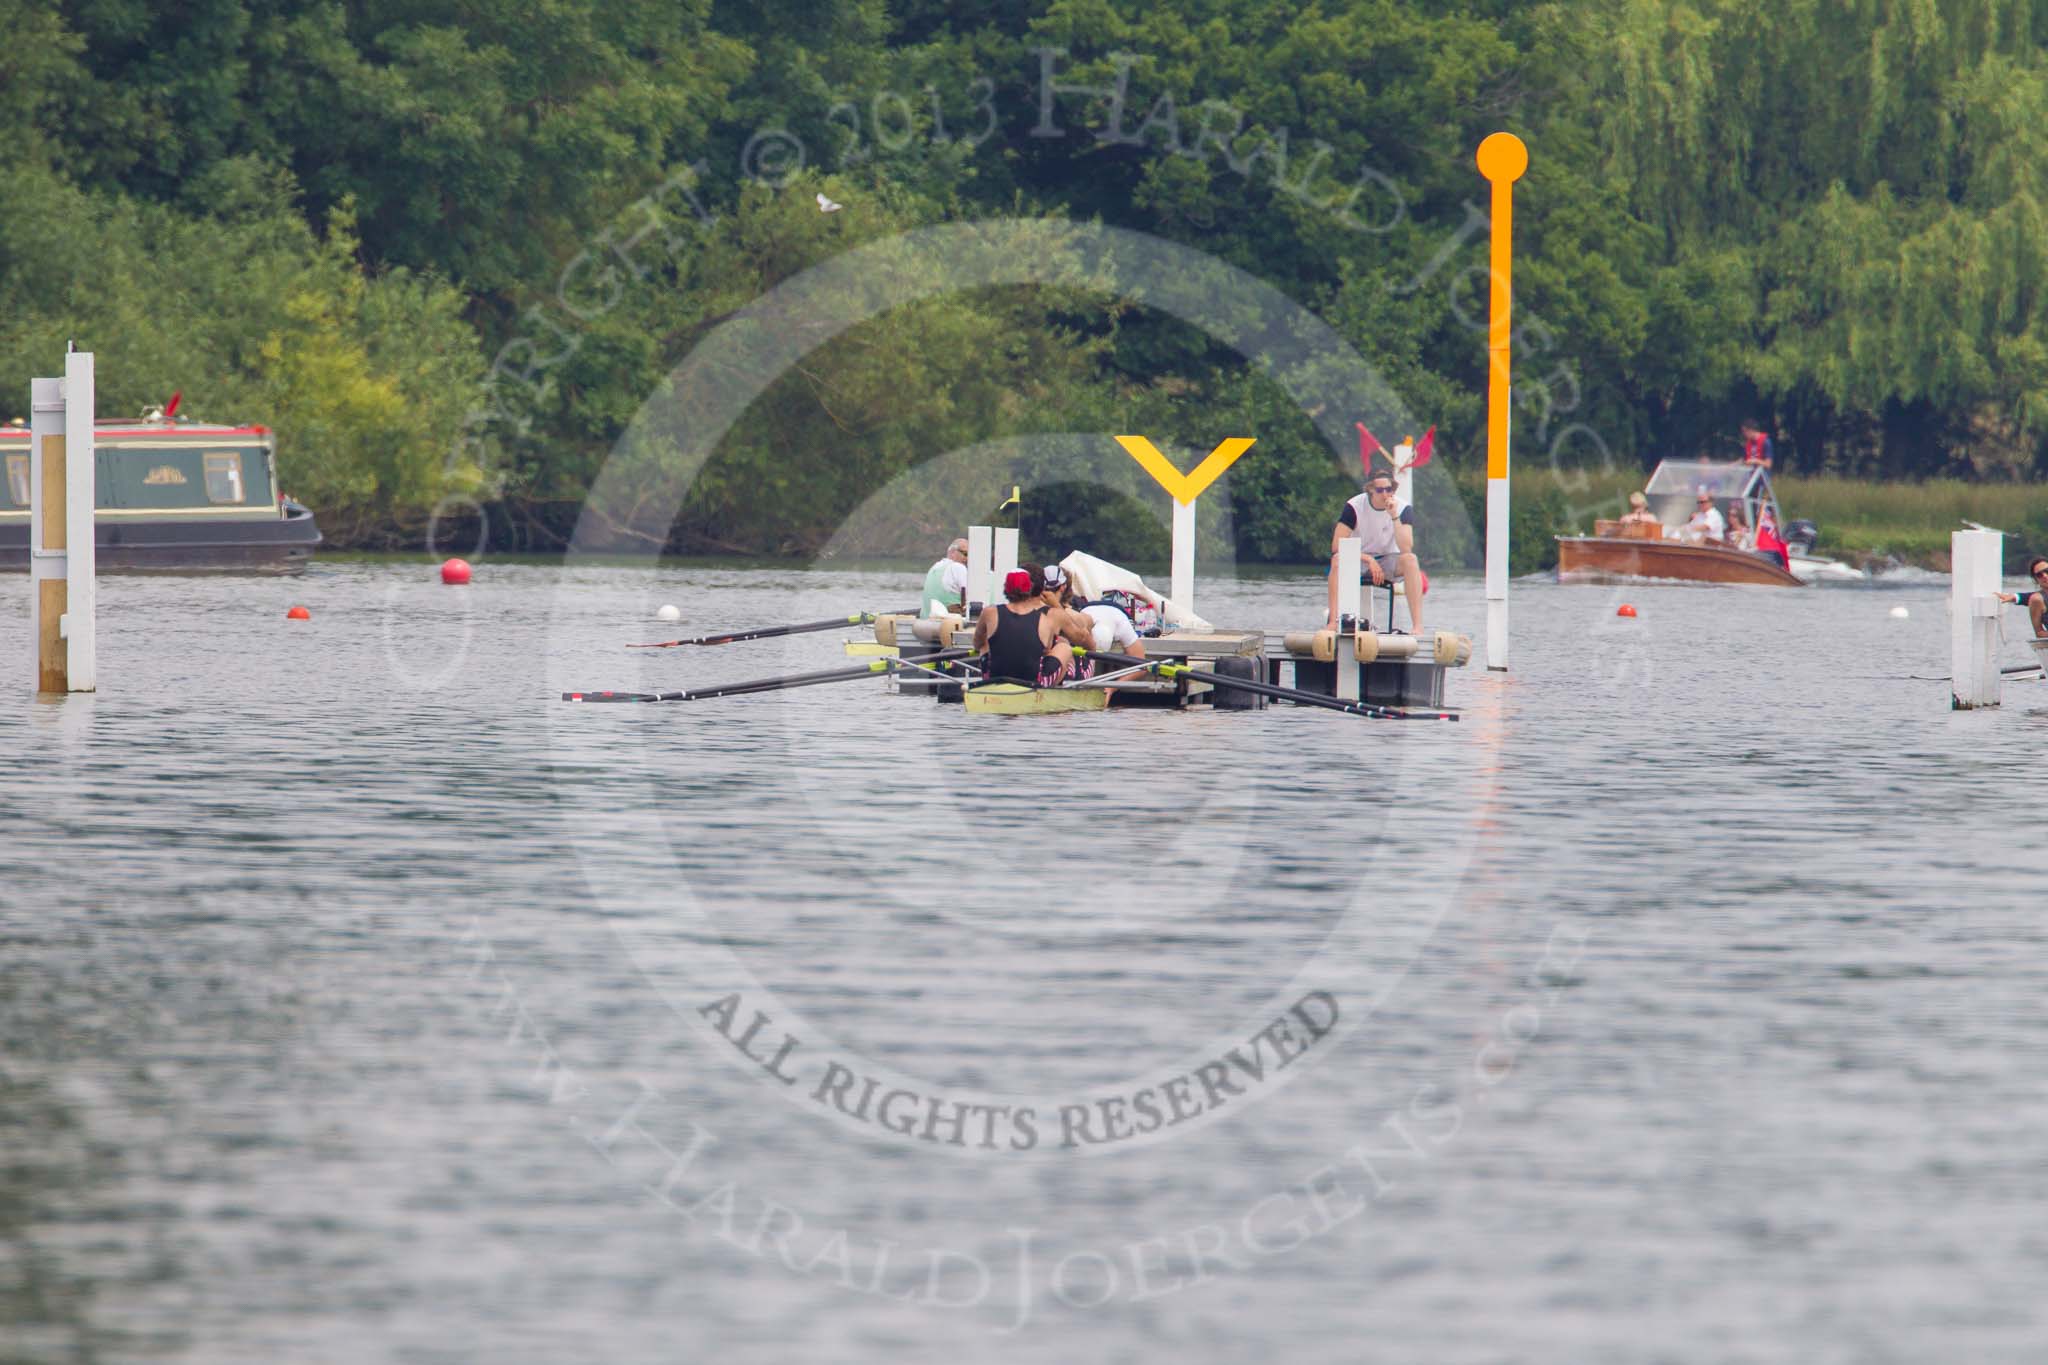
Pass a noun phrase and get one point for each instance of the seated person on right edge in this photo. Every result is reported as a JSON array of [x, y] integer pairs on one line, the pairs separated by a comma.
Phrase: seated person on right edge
[[2037, 600]]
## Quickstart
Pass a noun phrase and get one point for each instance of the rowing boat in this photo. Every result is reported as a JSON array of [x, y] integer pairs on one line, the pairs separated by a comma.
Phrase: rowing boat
[[1015, 699]]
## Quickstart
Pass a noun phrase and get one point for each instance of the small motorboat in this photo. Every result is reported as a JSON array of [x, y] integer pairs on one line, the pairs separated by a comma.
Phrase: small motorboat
[[1625, 551]]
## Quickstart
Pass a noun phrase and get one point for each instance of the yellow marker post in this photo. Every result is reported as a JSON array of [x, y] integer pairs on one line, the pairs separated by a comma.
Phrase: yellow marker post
[[1502, 160], [1184, 488]]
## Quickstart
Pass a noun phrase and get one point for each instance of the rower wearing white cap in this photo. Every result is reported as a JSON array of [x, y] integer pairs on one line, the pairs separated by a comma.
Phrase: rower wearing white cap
[[1112, 629]]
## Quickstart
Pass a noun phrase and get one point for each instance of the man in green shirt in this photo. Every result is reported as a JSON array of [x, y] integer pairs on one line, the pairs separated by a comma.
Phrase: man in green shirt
[[945, 584]]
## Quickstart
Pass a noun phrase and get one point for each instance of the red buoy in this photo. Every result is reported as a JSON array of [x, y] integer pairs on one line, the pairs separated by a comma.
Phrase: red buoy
[[298, 614], [455, 572], [1625, 610]]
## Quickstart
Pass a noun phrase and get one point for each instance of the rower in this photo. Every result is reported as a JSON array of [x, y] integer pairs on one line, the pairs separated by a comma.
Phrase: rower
[[1388, 545], [945, 584], [2037, 600], [1023, 640], [1109, 627]]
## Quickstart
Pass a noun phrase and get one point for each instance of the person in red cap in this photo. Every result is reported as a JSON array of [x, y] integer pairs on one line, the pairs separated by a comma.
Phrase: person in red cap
[[1024, 641]]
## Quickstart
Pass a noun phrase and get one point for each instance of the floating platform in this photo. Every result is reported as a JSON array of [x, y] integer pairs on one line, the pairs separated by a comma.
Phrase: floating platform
[[1390, 668]]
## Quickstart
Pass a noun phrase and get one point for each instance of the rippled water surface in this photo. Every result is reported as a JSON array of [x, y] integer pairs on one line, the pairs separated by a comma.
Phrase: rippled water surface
[[360, 1000]]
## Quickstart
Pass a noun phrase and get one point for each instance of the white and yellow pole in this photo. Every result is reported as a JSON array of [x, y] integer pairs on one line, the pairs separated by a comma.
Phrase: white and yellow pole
[[63, 559], [1502, 159], [1184, 489]]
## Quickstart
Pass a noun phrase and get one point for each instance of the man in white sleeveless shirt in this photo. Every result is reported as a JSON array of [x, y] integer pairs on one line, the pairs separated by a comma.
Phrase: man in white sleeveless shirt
[[1388, 548]]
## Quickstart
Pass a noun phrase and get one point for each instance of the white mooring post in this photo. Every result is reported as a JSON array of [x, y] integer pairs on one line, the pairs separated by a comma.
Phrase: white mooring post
[[63, 558], [1976, 561], [1182, 588], [1005, 556], [1404, 477], [980, 549], [1349, 562]]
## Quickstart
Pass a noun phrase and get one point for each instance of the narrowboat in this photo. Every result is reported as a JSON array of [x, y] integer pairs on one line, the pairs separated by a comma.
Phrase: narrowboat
[[172, 497]]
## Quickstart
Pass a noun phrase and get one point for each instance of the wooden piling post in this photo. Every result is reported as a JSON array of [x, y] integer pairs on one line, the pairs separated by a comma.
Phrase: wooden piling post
[[63, 561]]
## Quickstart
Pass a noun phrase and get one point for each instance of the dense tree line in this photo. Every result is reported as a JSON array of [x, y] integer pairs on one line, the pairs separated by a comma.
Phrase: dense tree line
[[450, 250]]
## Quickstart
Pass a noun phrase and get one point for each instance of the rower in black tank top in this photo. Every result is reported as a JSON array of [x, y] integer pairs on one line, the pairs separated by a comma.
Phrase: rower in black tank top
[[1014, 646]]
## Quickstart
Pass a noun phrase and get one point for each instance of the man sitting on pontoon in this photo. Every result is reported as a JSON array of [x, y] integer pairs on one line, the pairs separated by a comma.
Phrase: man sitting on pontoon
[[2037, 600], [945, 584], [1387, 545]]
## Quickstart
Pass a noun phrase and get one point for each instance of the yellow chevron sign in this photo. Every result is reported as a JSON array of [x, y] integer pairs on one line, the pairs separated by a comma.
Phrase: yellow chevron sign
[[1185, 487]]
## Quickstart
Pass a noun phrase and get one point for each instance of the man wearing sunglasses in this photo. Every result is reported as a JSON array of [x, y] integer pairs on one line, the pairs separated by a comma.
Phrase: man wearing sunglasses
[[1387, 550], [2037, 600]]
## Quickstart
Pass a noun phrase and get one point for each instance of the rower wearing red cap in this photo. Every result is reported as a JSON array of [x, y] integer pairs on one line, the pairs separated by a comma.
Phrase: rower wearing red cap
[[1024, 641]]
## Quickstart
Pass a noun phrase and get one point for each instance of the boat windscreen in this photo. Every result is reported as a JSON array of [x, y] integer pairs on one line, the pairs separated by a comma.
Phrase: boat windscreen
[[1686, 477]]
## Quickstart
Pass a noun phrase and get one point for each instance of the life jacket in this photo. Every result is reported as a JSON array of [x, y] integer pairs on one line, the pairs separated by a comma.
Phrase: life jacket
[[1753, 447]]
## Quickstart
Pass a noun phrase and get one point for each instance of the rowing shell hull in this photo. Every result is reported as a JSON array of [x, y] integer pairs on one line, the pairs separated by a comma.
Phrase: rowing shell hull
[[1014, 699], [1603, 559]]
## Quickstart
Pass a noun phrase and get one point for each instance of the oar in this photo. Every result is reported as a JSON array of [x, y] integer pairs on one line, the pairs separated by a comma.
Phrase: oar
[[859, 618], [741, 689], [1354, 708]]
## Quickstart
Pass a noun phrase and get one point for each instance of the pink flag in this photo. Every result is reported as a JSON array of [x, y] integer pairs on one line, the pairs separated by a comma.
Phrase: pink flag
[[1424, 448], [1367, 444]]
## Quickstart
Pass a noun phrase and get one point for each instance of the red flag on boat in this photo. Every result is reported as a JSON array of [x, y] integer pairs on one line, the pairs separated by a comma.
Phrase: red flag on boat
[[171, 408], [1767, 541], [1424, 448], [1367, 444]]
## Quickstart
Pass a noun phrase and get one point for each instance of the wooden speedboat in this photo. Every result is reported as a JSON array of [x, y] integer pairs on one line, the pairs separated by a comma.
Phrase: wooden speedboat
[[1600, 559], [1619, 551]]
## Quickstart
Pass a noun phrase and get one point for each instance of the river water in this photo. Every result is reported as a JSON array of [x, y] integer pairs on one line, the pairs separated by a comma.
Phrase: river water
[[361, 1000]]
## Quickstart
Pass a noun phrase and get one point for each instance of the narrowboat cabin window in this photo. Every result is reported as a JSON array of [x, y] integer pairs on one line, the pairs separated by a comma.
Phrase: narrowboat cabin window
[[17, 480], [224, 476]]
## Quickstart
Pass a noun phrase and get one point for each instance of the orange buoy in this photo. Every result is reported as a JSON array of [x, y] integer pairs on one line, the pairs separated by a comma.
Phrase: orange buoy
[[1625, 610], [455, 572], [298, 614]]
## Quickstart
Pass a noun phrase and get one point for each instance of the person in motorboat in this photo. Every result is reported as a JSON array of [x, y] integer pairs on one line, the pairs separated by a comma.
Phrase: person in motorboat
[[1738, 534], [1639, 513], [1756, 445], [2036, 601], [1387, 549], [1706, 523], [1024, 641], [945, 584]]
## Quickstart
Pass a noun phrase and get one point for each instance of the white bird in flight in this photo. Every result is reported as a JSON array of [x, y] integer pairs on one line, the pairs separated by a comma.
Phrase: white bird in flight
[[827, 206]]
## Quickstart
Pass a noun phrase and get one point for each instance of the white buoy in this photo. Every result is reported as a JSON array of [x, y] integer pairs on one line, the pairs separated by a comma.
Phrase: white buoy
[[669, 613], [1900, 613]]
